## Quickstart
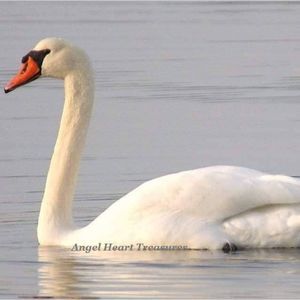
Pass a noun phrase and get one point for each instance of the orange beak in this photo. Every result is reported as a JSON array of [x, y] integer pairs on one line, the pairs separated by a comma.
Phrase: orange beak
[[29, 71]]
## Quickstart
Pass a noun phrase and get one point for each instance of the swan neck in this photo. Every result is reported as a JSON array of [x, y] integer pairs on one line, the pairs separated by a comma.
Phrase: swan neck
[[56, 209]]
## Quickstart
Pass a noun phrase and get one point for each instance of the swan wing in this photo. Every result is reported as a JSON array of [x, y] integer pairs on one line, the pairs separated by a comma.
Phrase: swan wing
[[201, 208], [210, 194]]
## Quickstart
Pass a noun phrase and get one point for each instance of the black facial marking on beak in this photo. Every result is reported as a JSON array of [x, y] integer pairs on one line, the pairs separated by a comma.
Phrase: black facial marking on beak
[[37, 55]]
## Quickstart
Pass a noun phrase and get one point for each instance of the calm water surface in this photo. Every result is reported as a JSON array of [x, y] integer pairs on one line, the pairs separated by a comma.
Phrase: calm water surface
[[179, 86]]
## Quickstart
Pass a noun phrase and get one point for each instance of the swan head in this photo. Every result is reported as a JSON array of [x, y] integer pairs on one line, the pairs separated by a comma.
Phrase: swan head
[[51, 57]]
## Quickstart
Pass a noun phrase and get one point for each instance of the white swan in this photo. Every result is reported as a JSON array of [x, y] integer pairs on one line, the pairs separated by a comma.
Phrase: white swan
[[209, 208]]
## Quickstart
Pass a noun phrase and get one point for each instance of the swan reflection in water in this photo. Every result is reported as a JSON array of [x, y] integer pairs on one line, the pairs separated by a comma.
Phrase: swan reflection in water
[[65, 273], [165, 274]]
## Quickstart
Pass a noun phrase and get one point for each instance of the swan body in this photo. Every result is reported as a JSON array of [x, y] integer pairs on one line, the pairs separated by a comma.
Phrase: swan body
[[202, 209]]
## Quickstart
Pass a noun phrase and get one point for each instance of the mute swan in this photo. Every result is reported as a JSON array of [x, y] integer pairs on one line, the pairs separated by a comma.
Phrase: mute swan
[[219, 207]]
